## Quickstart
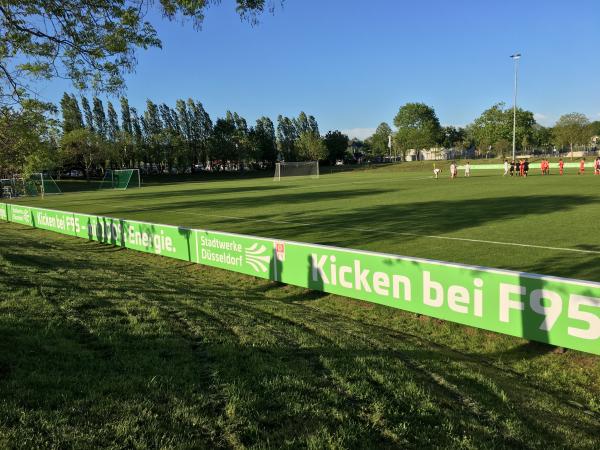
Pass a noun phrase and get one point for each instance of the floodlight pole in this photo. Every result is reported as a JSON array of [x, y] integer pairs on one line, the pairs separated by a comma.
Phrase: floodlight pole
[[515, 58]]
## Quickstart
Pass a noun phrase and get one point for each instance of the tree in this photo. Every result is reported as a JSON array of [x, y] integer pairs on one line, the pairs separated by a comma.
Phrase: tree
[[72, 119], [222, 142], [453, 137], [286, 137], [27, 142], [126, 135], [594, 128], [542, 137], [311, 147], [91, 42], [171, 139], [99, 117], [262, 136], [496, 124], [113, 136], [152, 128], [138, 137], [380, 139], [84, 148], [418, 127], [87, 114], [201, 132], [571, 129], [337, 144]]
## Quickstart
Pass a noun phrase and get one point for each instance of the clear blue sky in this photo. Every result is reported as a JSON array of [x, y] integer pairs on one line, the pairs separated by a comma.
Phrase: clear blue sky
[[353, 63]]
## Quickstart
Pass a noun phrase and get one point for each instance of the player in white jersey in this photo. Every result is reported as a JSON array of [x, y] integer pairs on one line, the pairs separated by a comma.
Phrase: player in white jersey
[[468, 169]]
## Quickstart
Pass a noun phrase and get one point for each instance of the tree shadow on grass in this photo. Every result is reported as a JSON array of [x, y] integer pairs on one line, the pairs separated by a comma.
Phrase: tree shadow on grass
[[206, 362], [227, 205]]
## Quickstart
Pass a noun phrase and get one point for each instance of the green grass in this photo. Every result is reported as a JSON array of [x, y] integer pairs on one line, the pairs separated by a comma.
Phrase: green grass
[[398, 209], [105, 347]]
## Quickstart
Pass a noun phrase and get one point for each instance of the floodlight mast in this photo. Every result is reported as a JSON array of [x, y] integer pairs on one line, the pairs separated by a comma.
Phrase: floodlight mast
[[515, 58]]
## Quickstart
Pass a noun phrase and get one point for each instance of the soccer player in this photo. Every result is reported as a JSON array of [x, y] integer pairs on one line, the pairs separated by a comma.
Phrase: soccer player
[[468, 169], [597, 166], [561, 166], [436, 172], [512, 168], [526, 167], [506, 167], [581, 166], [521, 168], [453, 170], [543, 166]]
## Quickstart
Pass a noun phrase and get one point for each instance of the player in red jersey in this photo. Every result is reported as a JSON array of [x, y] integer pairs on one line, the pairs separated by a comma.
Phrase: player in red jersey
[[522, 168], [597, 166], [561, 166], [581, 166]]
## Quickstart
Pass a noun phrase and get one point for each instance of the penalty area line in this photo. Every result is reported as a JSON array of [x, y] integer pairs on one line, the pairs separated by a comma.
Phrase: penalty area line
[[400, 233]]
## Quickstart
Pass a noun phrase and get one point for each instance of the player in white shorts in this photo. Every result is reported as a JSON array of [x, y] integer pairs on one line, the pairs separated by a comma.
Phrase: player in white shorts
[[468, 169]]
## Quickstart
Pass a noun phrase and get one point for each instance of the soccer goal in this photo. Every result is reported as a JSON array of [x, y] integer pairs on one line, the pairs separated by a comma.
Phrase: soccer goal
[[39, 184], [121, 179], [296, 169]]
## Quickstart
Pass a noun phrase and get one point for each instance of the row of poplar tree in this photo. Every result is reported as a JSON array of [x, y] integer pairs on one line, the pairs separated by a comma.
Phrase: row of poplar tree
[[185, 137]]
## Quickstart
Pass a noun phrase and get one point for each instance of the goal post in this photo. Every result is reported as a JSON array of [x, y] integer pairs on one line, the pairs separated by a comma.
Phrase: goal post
[[296, 169], [41, 184], [121, 179]]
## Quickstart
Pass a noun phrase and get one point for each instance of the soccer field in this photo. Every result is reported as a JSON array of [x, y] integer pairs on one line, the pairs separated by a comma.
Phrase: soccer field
[[542, 224], [105, 347]]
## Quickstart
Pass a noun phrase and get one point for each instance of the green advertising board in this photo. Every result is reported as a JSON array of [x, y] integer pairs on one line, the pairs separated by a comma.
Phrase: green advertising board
[[557, 311]]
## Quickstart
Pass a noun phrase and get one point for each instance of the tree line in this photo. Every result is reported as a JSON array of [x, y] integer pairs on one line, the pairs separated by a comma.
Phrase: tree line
[[93, 136], [491, 133]]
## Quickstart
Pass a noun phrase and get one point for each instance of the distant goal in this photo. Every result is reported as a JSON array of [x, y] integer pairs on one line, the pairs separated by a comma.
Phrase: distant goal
[[121, 179], [296, 169]]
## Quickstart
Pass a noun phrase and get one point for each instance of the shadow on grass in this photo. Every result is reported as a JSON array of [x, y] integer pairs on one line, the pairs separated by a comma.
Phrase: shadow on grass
[[132, 350]]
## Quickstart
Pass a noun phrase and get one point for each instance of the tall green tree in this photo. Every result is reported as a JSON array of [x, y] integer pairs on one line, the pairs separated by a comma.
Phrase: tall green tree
[[84, 148], [418, 127], [201, 130], [453, 137], [571, 130], [71, 114], [286, 137], [99, 117], [171, 139], [152, 127], [337, 144], [138, 143], [114, 140], [310, 147], [112, 123], [92, 42], [27, 141], [494, 127], [262, 136], [222, 143], [87, 114], [378, 142]]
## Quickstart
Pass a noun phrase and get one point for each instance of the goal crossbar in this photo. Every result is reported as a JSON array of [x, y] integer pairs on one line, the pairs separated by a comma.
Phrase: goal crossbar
[[296, 169], [121, 179]]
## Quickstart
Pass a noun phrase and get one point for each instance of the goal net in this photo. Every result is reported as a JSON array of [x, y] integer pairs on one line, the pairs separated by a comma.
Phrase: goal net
[[296, 169], [37, 184], [121, 179]]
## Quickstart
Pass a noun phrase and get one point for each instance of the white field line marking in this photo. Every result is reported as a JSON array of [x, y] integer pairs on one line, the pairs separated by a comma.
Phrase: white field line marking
[[399, 233]]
